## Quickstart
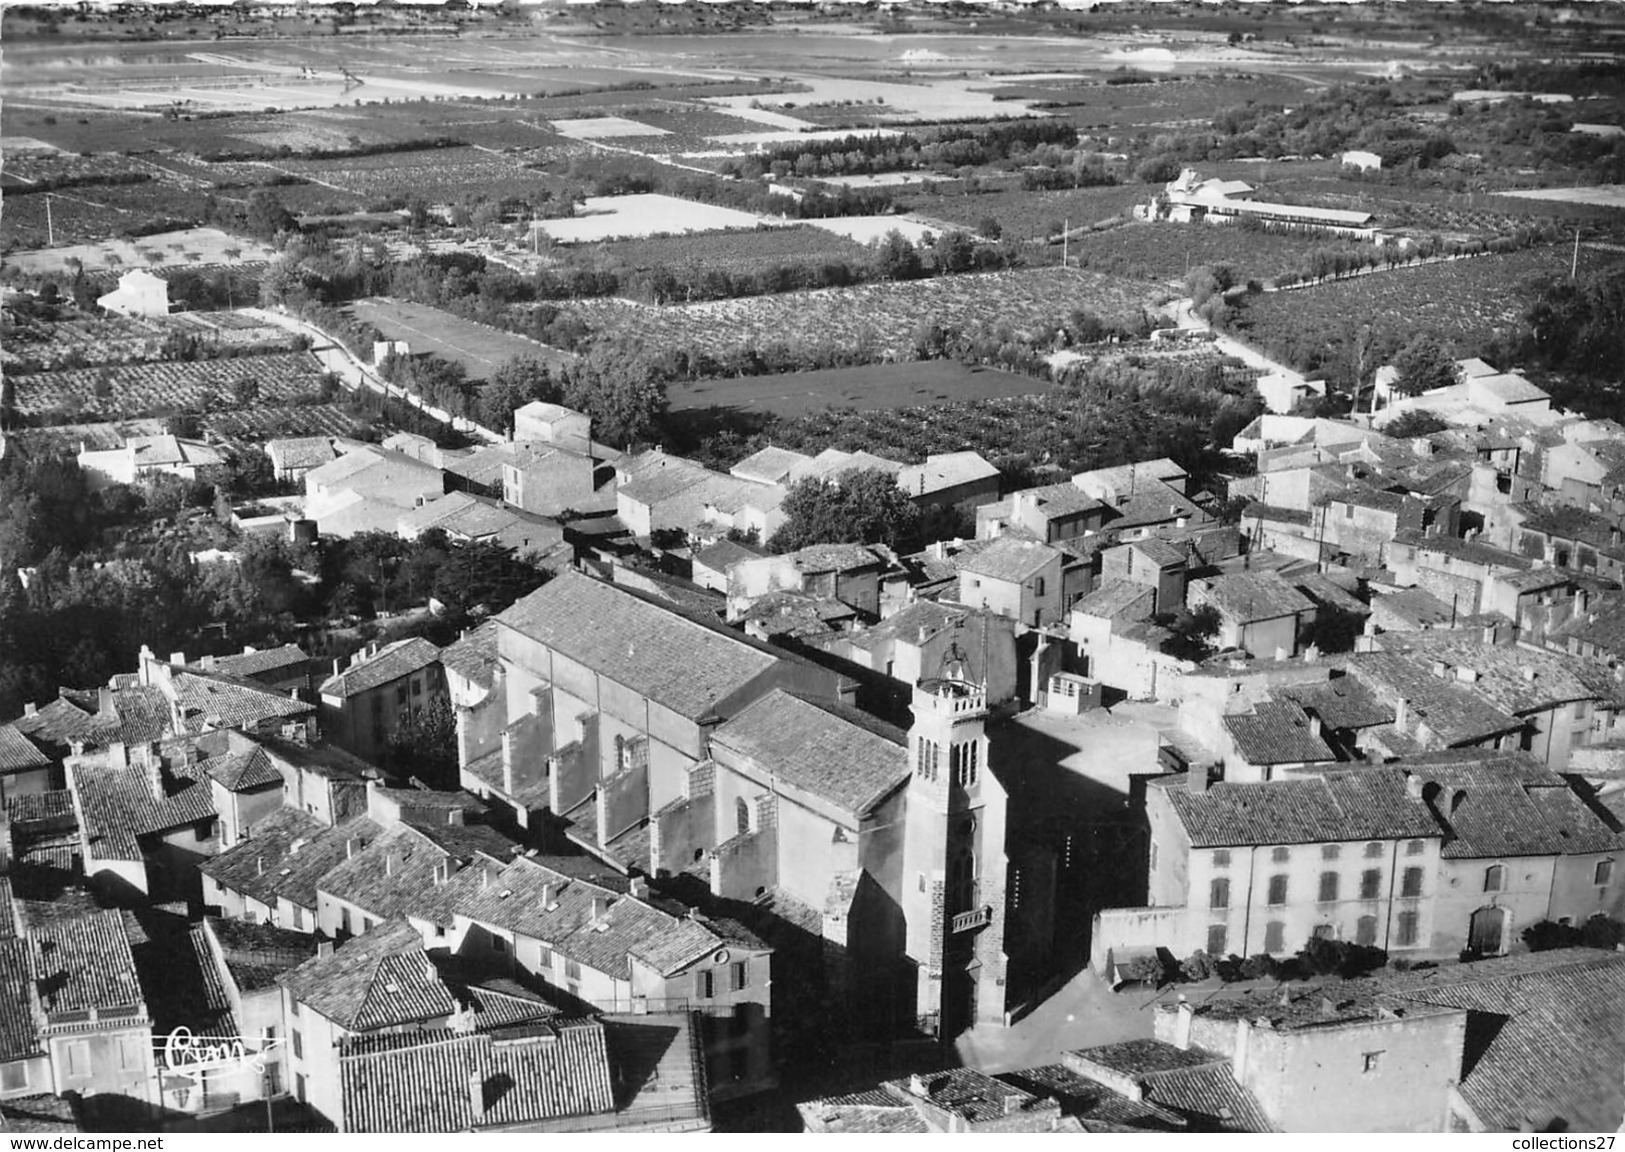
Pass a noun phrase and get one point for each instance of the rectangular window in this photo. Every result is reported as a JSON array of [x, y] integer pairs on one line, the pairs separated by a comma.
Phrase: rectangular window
[[298, 918], [1414, 847], [1281, 855], [400, 696], [1373, 850], [1328, 887], [572, 970], [417, 687], [1221, 858], [1330, 851], [299, 1088], [1411, 885], [498, 945], [1370, 884], [78, 1058], [1219, 894], [1277, 894], [1370, 1061], [130, 1053], [1274, 937], [1406, 935], [740, 970], [704, 985], [1365, 931], [298, 1041], [544, 958], [1604, 872], [14, 1076], [1217, 938]]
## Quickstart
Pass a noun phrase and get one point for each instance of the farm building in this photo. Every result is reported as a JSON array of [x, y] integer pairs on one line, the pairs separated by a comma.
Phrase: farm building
[[147, 456], [139, 293], [1364, 161], [1187, 200]]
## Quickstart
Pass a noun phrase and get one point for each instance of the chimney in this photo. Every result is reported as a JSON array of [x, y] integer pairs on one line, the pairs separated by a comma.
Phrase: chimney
[[600, 909], [550, 897], [30, 709], [1314, 725], [1182, 1024], [351, 847], [1413, 786], [298, 843], [1528, 673], [507, 761], [392, 862], [476, 1093], [324, 947], [640, 887], [1197, 778], [177, 657], [918, 1086], [104, 703], [1011, 1103], [259, 865], [208, 663], [1441, 669]]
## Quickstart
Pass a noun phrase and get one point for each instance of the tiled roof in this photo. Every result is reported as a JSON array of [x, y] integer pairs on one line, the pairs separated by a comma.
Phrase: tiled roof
[[392, 661], [836, 557], [943, 471], [1603, 628], [1343, 702], [265, 660], [1416, 607], [1114, 598], [185, 986], [1097, 1107], [392, 876], [635, 927], [1011, 558], [1508, 804], [1194, 1085], [17, 752], [668, 1044], [1251, 596], [57, 722], [1277, 732], [1471, 551], [19, 1030], [267, 867], [84, 962], [677, 661], [1361, 804], [1556, 1053], [1452, 712], [214, 700], [977, 1099], [256, 954], [380, 979], [426, 1082], [245, 771], [1329, 594], [719, 557], [769, 465], [473, 656], [1055, 500], [1565, 522], [25, 1114], [1515, 679], [121, 803], [832, 751], [301, 451]]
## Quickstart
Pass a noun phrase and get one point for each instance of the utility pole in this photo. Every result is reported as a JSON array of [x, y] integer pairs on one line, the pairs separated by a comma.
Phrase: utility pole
[[1066, 236], [1574, 264], [50, 232]]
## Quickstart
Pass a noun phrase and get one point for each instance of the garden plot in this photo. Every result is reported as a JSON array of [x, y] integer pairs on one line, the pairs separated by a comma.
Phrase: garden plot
[[868, 229], [478, 348], [210, 245], [650, 214], [605, 128], [134, 389], [1601, 195]]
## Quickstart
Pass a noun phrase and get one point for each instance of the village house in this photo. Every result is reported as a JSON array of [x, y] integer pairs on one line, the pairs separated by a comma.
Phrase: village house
[[1052, 513], [950, 480], [1250, 868], [469, 519], [539, 478], [381, 693], [25, 770], [292, 457], [849, 573], [1587, 473], [554, 424], [1118, 645], [1156, 564], [92, 1020], [1563, 537], [1259, 612], [919, 641], [139, 293], [368, 490], [271, 877], [1016, 577], [283, 669], [144, 457]]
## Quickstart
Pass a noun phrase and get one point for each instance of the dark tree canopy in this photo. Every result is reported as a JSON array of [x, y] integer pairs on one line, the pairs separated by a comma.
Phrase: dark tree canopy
[[1423, 365], [860, 507]]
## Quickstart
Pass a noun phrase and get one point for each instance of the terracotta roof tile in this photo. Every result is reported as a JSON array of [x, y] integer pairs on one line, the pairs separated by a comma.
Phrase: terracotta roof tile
[[380, 979], [1361, 804], [84, 962], [402, 658]]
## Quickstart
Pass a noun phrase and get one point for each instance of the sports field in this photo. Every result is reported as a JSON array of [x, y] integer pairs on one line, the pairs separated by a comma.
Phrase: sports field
[[480, 350], [873, 387]]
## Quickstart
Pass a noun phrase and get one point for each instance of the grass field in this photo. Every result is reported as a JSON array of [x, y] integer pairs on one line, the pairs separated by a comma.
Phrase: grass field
[[648, 214], [1030, 215], [1163, 252], [730, 251], [870, 388], [480, 350], [208, 244]]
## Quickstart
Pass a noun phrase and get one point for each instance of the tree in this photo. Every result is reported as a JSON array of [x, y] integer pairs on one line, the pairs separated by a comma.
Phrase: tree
[[512, 386], [1146, 969], [863, 506], [425, 746], [1198, 966], [1415, 422], [1423, 365], [897, 258], [483, 575], [267, 215], [617, 386]]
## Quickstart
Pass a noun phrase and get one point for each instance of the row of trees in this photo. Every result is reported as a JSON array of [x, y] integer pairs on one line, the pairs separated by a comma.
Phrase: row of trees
[[942, 149]]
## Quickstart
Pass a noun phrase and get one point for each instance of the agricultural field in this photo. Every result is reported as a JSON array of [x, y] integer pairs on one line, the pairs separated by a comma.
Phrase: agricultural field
[[90, 213], [882, 318], [869, 229], [131, 390], [1164, 251], [433, 173], [729, 251], [479, 349], [90, 340], [209, 246], [252, 427], [1602, 196], [1025, 215], [873, 387], [648, 214], [1465, 302]]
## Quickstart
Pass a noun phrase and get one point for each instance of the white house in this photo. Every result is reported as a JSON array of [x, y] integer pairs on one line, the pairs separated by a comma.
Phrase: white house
[[139, 293]]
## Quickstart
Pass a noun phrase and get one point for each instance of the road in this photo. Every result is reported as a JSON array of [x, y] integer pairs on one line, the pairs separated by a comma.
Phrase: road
[[1184, 316], [354, 374]]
